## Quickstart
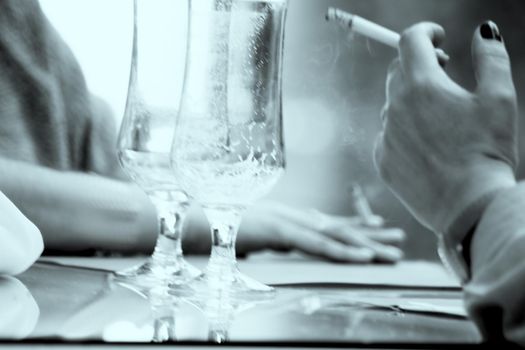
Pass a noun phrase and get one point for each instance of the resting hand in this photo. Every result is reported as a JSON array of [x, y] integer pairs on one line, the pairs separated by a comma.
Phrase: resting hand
[[20, 240], [345, 239], [442, 148]]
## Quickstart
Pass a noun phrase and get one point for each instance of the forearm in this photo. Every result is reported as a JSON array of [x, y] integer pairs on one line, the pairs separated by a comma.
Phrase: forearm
[[77, 211], [494, 295]]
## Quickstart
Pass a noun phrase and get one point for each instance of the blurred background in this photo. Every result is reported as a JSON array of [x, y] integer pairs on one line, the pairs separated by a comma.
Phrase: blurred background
[[333, 86]]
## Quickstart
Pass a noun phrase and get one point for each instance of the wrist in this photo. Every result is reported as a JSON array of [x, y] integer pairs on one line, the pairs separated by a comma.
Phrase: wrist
[[458, 232], [464, 202], [454, 244]]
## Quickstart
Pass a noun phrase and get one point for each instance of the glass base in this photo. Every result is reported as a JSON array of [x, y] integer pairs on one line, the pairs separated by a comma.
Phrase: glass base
[[166, 266], [222, 279], [153, 272], [237, 286]]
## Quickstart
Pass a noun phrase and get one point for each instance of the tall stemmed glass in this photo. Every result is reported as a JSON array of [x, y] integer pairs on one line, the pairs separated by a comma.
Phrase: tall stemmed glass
[[228, 146], [146, 135]]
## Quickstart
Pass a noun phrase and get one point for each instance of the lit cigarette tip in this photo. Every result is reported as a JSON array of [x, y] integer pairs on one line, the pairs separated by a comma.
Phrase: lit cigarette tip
[[334, 14], [330, 14]]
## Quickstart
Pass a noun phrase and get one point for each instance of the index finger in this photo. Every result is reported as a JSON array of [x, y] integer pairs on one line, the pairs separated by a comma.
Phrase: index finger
[[417, 49]]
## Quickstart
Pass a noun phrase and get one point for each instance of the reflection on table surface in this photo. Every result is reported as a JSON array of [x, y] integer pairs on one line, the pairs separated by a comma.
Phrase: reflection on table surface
[[57, 302]]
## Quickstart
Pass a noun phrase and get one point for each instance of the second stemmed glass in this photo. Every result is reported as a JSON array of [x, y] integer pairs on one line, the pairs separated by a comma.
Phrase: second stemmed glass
[[228, 147], [146, 134]]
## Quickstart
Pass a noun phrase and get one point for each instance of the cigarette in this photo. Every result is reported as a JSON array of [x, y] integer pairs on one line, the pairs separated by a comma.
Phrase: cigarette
[[362, 207], [364, 27], [372, 30]]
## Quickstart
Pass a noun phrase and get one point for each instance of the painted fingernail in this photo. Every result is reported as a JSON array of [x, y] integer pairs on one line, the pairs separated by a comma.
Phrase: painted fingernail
[[489, 30]]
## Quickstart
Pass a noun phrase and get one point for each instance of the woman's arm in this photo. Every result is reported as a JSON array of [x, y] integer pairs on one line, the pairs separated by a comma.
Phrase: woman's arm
[[77, 211]]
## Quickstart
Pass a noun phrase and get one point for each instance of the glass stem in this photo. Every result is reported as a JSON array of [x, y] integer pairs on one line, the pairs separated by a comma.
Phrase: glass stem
[[224, 223], [219, 333], [164, 325], [169, 241]]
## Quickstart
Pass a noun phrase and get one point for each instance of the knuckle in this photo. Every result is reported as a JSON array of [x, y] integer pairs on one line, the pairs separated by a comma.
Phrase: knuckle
[[407, 34], [413, 31], [420, 84], [421, 28], [504, 98], [414, 34], [406, 38]]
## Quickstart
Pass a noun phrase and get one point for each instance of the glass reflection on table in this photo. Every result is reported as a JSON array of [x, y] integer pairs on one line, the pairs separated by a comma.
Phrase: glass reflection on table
[[18, 309], [82, 304]]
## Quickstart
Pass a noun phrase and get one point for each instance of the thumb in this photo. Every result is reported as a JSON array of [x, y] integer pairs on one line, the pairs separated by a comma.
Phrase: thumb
[[491, 61]]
